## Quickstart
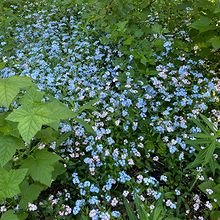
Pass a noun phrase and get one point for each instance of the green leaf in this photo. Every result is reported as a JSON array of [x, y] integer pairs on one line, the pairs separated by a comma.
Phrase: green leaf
[[156, 28], [199, 159], [140, 208], [129, 211], [8, 127], [9, 182], [41, 166], [32, 96], [212, 126], [30, 193], [215, 215], [8, 146], [9, 215], [59, 110], [47, 135], [210, 152], [58, 170], [215, 41], [10, 87], [88, 105], [203, 24], [30, 120], [206, 185]]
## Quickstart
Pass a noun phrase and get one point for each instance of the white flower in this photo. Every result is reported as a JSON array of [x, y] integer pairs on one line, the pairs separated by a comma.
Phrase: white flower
[[114, 202], [209, 191], [32, 207]]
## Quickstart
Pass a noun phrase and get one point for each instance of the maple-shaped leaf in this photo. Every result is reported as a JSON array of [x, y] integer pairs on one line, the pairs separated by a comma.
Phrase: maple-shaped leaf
[[41, 166], [30, 120], [9, 182], [8, 147], [10, 87]]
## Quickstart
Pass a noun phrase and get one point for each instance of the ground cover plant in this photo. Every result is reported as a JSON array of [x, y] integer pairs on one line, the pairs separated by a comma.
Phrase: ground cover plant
[[109, 110]]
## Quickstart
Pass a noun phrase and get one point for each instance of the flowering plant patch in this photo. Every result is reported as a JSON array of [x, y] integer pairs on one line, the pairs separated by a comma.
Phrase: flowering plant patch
[[130, 145]]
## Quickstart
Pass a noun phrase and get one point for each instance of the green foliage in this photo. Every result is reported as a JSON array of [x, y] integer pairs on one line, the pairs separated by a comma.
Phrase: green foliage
[[8, 147], [9, 215], [40, 166], [143, 212], [10, 87], [209, 137], [9, 182], [30, 193], [33, 170]]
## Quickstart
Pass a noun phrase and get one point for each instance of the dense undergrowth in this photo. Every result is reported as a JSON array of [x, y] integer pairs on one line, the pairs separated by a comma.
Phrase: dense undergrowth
[[123, 120]]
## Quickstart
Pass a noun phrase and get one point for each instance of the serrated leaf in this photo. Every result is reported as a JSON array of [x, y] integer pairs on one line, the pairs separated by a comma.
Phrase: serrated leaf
[[41, 166], [10, 87], [8, 147], [9, 215], [9, 182], [30, 193], [30, 120]]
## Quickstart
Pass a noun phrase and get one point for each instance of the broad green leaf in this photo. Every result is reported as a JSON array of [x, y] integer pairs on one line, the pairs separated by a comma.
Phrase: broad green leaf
[[157, 28], [217, 8], [59, 110], [8, 146], [10, 87], [32, 96], [9, 215], [8, 127], [215, 41], [30, 193], [9, 182], [30, 120], [58, 170], [203, 24], [41, 166]]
